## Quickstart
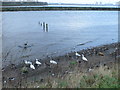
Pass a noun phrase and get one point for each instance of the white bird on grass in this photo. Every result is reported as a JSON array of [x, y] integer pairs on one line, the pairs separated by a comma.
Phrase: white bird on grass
[[27, 62], [84, 58], [37, 62], [32, 66], [89, 70], [53, 62], [77, 54]]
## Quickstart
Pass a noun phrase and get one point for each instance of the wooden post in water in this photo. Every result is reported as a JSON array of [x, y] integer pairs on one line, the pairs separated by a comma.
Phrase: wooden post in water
[[41, 24], [46, 27]]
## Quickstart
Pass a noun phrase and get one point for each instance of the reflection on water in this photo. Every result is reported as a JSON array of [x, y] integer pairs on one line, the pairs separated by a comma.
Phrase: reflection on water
[[67, 29]]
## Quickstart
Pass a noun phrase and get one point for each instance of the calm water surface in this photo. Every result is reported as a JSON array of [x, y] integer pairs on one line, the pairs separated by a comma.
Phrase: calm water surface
[[67, 29]]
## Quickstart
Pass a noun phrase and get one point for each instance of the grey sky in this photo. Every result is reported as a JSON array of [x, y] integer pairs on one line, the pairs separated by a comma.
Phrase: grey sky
[[71, 1], [81, 1]]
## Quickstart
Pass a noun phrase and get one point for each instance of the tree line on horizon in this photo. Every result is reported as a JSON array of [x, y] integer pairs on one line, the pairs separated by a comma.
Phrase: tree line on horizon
[[23, 3]]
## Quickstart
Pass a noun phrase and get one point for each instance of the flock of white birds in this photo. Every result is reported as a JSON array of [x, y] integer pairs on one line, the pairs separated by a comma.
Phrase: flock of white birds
[[37, 62], [51, 61], [83, 57]]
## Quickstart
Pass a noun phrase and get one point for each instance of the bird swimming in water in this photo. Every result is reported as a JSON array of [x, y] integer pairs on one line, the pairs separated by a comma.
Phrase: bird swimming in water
[[32, 66], [77, 54], [84, 58], [53, 62], [25, 45], [37, 62]]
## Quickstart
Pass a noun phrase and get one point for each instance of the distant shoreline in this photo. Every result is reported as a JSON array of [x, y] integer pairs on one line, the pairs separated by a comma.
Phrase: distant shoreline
[[58, 8]]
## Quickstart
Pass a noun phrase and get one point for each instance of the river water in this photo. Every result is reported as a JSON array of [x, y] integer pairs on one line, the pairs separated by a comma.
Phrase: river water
[[66, 30]]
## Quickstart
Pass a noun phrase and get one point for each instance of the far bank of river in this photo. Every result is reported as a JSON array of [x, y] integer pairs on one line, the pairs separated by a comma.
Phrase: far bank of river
[[57, 8]]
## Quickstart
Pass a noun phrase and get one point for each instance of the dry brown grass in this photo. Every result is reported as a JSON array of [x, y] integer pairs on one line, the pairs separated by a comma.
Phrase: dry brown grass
[[99, 76]]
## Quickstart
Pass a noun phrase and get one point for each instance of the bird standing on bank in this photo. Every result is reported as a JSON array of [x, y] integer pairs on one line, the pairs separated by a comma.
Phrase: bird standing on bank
[[32, 66], [53, 62], [37, 62], [84, 58], [77, 54], [27, 62]]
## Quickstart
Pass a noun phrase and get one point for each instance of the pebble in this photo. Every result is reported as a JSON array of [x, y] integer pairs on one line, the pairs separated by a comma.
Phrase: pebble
[[100, 54], [41, 80], [104, 64]]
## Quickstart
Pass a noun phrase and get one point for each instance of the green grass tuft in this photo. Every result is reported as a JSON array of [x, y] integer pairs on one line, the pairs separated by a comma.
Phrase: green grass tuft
[[73, 63]]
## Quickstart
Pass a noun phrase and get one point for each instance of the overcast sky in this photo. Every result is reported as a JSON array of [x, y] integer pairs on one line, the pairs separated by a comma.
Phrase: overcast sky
[[73, 1], [81, 1]]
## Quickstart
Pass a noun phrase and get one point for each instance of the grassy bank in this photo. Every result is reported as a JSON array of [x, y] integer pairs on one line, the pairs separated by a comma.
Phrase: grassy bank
[[56, 8], [101, 77], [101, 71]]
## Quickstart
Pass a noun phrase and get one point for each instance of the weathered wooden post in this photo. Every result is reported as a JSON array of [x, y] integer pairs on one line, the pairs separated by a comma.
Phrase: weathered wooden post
[[41, 24], [46, 27]]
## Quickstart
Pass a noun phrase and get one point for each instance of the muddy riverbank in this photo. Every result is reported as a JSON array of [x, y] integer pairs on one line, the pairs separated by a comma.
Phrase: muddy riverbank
[[22, 75]]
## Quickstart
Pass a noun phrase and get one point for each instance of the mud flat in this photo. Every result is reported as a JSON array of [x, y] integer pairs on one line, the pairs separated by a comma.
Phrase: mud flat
[[22, 76]]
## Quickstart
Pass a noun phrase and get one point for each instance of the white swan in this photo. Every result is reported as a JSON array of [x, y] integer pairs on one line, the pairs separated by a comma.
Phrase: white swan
[[53, 62], [37, 62], [32, 66], [84, 58], [27, 62], [77, 54]]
